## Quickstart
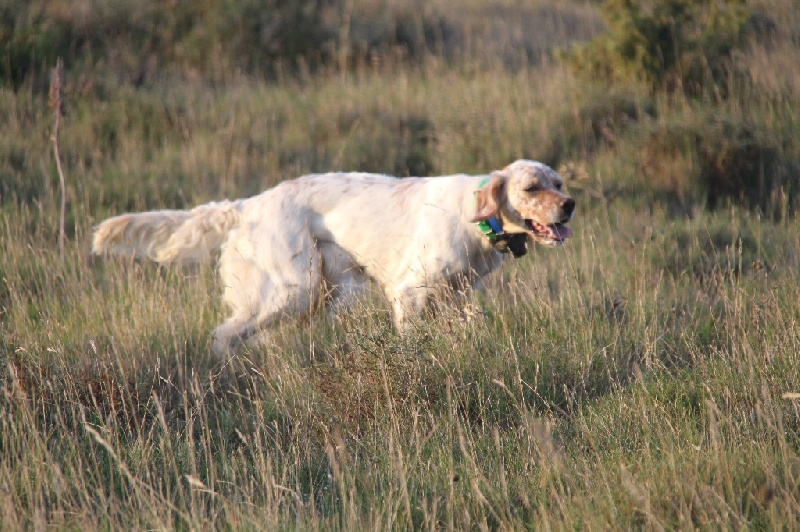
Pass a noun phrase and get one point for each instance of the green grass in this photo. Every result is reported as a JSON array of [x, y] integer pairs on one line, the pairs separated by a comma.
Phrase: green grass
[[635, 377]]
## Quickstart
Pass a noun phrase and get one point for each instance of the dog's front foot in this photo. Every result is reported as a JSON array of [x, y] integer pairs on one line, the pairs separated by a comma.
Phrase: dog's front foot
[[221, 347]]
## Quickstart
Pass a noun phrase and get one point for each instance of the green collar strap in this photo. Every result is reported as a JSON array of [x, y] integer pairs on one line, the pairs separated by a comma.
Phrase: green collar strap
[[503, 242], [492, 227]]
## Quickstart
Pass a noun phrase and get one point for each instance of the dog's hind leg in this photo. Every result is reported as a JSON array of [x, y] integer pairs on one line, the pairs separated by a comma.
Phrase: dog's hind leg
[[264, 284], [344, 279], [231, 334]]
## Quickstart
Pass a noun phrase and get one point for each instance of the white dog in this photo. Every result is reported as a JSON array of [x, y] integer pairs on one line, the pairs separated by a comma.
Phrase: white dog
[[324, 236]]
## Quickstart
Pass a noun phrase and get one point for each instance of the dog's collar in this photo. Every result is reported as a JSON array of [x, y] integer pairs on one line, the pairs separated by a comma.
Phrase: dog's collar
[[491, 228], [503, 242]]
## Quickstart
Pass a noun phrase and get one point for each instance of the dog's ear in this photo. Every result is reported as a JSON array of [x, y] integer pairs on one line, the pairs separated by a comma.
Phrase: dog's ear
[[488, 198]]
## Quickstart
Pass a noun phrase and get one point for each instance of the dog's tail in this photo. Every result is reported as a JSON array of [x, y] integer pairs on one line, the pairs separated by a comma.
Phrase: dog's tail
[[170, 235]]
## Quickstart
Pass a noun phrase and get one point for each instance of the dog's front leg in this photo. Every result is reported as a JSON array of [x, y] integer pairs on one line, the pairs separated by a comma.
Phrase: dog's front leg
[[407, 304]]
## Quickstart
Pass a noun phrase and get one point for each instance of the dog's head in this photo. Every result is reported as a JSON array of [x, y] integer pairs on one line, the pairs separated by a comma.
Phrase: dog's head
[[528, 197]]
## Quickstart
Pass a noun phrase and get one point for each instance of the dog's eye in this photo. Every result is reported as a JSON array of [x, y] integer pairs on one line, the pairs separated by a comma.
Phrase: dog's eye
[[559, 186], [533, 188]]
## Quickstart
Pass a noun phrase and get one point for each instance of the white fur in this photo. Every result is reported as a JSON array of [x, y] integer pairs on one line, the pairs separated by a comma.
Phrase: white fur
[[281, 248]]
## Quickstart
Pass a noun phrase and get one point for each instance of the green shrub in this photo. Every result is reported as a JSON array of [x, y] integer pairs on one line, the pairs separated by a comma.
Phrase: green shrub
[[674, 44]]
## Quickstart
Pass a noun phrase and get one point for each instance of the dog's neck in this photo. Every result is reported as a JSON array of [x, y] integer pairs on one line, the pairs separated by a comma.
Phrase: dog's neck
[[492, 229]]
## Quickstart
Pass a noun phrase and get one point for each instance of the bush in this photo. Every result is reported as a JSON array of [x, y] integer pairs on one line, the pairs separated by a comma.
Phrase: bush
[[136, 39], [713, 160], [376, 34], [256, 35], [673, 44]]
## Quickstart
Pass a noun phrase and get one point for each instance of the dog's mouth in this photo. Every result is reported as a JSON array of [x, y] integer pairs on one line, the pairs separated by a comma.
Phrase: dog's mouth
[[549, 234]]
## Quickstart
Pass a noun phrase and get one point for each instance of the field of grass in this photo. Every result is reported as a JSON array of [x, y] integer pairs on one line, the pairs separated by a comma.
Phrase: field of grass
[[644, 375]]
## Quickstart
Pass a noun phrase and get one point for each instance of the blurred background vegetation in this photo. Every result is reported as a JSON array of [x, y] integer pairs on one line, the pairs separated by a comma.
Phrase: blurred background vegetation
[[216, 40], [679, 102]]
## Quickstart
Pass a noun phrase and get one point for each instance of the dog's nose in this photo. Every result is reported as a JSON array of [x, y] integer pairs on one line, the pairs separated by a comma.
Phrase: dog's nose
[[568, 207]]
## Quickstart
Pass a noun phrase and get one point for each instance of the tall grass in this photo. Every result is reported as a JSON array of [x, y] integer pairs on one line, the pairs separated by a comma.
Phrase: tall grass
[[640, 376], [635, 377]]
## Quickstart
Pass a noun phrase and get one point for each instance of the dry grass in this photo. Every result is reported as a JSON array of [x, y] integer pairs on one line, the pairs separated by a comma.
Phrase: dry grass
[[634, 377], [641, 376]]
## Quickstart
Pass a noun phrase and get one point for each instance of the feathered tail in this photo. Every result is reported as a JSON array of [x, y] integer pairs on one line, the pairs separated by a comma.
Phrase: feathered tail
[[170, 235]]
